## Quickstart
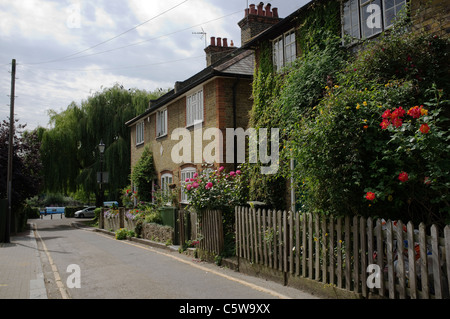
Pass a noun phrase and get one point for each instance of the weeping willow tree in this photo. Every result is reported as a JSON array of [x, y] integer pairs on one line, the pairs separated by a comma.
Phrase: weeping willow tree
[[58, 150], [72, 158]]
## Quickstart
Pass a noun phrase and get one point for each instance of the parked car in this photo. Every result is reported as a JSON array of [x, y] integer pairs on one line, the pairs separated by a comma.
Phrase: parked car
[[86, 212]]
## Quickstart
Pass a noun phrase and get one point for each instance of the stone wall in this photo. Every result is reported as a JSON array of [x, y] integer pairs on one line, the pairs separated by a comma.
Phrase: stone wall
[[150, 231]]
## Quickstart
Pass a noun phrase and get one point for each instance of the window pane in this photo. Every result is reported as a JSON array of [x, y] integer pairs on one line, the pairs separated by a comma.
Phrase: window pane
[[350, 20], [391, 10], [371, 21]]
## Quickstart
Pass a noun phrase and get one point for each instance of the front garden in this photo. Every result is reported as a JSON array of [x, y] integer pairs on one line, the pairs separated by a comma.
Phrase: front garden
[[369, 132]]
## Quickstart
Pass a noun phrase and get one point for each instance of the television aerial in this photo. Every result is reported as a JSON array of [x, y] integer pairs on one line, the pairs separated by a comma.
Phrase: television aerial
[[203, 35]]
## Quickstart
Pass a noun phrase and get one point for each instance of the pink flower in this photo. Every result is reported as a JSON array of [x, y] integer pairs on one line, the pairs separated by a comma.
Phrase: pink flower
[[232, 173], [195, 184], [188, 187], [238, 172], [195, 175], [191, 179], [221, 168], [209, 185], [187, 180]]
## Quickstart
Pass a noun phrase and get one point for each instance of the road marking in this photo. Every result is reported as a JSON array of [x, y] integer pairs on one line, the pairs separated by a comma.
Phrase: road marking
[[242, 282], [58, 281]]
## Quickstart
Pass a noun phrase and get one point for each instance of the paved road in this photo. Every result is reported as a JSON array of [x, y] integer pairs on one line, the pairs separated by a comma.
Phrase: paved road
[[109, 268]]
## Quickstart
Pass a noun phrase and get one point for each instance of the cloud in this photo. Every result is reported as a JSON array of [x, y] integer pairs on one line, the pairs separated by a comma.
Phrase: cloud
[[50, 38]]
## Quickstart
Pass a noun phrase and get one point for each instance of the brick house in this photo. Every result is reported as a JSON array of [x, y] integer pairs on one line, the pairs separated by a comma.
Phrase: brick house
[[219, 97], [357, 19], [281, 44]]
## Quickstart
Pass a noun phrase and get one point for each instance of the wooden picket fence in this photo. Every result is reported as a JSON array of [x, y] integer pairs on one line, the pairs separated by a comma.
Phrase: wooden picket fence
[[208, 228], [347, 252]]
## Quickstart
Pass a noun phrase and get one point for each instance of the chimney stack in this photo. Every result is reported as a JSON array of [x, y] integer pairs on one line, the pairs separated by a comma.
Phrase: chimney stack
[[217, 49], [256, 20]]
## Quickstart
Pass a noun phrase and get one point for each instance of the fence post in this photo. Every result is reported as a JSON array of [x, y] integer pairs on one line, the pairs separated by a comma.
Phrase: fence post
[[411, 261], [101, 218], [447, 252], [436, 262], [121, 217], [423, 261]]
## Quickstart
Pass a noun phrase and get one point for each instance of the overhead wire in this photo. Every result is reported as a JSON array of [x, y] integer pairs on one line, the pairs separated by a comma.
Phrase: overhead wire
[[130, 45], [110, 39], [150, 39]]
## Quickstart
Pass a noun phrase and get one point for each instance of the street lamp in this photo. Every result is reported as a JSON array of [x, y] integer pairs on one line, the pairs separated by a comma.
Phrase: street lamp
[[101, 149]]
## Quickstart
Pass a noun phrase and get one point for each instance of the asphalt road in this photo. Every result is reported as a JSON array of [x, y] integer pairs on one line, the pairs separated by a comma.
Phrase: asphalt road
[[82, 264]]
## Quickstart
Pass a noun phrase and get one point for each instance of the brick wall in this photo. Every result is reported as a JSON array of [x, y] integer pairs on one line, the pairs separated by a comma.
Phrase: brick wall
[[218, 112], [431, 16]]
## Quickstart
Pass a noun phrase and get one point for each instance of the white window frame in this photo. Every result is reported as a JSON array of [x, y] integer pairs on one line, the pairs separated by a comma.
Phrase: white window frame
[[187, 172], [140, 133], [398, 5], [361, 32], [161, 123], [166, 180], [284, 50], [194, 108]]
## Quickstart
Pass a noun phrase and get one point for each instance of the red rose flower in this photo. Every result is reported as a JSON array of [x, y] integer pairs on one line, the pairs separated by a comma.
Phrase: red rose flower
[[397, 122], [386, 114], [385, 124], [424, 128], [403, 177], [370, 196]]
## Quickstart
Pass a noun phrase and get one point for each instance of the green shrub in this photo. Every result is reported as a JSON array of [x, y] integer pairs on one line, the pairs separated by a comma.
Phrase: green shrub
[[124, 233]]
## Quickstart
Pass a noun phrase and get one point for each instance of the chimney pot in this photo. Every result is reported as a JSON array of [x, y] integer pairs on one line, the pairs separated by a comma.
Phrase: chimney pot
[[260, 9], [225, 42], [213, 41], [252, 9], [246, 11], [267, 8], [275, 12], [231, 43], [219, 42]]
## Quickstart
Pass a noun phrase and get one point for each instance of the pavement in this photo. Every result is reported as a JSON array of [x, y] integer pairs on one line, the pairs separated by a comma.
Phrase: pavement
[[21, 275]]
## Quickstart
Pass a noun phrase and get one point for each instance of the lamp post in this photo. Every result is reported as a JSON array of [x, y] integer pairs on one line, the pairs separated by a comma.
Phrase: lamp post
[[101, 149]]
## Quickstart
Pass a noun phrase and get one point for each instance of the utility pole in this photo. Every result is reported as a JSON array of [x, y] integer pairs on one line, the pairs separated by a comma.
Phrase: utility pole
[[10, 153]]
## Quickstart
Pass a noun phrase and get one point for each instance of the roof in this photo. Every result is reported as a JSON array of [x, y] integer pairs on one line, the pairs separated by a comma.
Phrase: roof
[[239, 63]]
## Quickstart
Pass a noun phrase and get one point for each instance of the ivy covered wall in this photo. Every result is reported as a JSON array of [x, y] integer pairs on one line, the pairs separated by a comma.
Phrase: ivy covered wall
[[368, 130]]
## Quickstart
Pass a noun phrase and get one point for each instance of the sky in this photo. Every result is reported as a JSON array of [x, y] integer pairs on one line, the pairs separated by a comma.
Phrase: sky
[[66, 50]]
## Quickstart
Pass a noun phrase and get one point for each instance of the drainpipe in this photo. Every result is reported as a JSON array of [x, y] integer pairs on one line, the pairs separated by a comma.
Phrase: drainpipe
[[236, 82]]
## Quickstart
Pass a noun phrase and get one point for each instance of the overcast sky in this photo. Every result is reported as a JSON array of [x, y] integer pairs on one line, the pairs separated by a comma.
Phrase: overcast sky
[[67, 50]]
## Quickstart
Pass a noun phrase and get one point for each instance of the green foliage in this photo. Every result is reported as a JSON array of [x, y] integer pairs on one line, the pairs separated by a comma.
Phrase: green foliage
[[329, 106], [143, 174], [214, 189], [342, 152], [124, 233], [70, 148]]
